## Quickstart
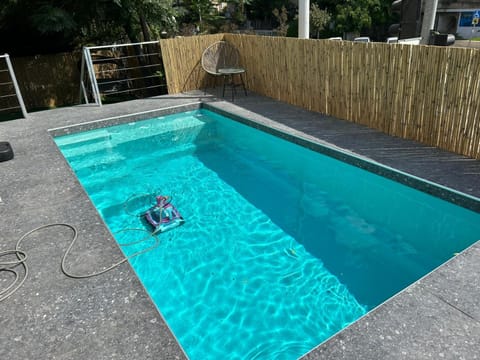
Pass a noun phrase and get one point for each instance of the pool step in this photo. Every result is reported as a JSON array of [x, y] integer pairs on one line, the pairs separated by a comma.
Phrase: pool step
[[99, 175], [65, 142], [107, 140]]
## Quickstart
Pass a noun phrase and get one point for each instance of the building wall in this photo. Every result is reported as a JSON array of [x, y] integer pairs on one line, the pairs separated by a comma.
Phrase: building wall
[[455, 17], [449, 4]]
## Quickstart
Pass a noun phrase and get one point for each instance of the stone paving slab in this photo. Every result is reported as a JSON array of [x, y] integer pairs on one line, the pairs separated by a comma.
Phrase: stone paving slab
[[458, 283], [415, 324], [112, 317]]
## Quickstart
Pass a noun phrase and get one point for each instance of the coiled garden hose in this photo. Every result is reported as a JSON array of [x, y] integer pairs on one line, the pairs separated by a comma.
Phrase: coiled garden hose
[[11, 266]]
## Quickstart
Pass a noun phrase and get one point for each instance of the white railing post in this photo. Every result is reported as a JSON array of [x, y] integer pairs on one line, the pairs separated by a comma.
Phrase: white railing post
[[93, 78], [15, 85], [82, 91], [125, 74]]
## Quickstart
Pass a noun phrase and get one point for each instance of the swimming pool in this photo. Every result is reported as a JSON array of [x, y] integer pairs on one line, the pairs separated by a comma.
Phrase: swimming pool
[[282, 246]]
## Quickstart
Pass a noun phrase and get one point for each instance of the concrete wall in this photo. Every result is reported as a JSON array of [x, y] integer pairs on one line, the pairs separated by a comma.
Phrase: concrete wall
[[449, 18]]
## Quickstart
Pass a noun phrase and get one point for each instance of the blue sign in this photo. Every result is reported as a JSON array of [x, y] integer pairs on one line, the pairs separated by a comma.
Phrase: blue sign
[[476, 14]]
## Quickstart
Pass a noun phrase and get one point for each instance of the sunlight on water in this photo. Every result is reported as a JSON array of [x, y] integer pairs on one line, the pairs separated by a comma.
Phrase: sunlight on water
[[282, 247]]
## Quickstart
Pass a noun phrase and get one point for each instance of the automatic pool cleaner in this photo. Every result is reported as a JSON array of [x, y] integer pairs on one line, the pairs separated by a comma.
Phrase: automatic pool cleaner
[[163, 216]]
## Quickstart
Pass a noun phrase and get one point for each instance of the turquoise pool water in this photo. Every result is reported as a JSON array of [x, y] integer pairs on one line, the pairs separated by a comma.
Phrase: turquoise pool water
[[282, 246]]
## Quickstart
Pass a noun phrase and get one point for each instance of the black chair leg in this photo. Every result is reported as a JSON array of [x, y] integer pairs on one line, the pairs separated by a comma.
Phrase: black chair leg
[[224, 83], [243, 84], [205, 88]]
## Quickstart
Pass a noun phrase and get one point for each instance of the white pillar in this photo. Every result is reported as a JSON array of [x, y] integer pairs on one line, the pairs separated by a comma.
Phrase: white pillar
[[303, 19], [428, 23]]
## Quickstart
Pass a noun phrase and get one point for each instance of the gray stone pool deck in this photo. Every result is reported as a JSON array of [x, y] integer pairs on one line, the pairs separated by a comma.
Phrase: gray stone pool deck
[[111, 317]]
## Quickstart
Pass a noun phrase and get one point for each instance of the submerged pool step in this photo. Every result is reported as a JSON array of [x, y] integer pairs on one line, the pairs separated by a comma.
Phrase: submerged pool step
[[97, 175], [75, 140], [113, 145], [84, 144], [122, 153], [158, 126]]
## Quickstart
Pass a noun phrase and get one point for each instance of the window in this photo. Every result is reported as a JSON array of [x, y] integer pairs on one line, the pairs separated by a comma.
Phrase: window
[[466, 19]]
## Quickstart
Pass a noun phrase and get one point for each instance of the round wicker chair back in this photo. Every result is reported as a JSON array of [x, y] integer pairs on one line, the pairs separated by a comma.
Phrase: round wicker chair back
[[219, 55]]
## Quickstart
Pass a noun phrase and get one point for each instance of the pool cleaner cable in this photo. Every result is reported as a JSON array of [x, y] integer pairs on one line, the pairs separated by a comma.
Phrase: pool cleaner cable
[[11, 266]]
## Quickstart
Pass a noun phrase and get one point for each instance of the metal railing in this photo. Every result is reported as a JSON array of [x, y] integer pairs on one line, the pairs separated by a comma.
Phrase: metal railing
[[107, 70], [9, 90]]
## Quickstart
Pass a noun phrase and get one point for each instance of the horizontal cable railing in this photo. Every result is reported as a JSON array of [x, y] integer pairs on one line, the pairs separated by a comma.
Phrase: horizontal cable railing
[[135, 69], [10, 95]]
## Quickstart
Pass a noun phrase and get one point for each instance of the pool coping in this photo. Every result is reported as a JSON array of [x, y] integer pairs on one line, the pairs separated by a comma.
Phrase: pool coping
[[122, 119], [445, 299]]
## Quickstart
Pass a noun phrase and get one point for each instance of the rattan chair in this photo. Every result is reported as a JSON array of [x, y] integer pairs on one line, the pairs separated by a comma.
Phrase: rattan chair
[[222, 59]]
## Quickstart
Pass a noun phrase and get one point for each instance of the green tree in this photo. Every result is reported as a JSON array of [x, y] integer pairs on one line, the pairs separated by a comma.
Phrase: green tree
[[371, 17], [262, 10], [362, 15], [240, 14], [42, 26], [200, 13], [318, 19], [282, 18], [145, 17]]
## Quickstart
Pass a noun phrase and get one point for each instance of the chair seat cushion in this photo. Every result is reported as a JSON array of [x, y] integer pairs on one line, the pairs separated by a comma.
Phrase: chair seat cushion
[[231, 71]]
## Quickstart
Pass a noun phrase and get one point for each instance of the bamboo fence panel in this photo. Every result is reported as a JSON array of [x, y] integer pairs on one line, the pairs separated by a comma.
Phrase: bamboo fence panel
[[48, 81], [405, 67], [294, 73], [413, 83], [346, 58], [182, 62], [334, 80], [380, 95], [472, 124], [414, 120], [394, 89], [449, 101], [433, 84], [454, 127], [433, 62], [317, 77], [360, 71], [318, 83], [424, 93], [468, 101], [308, 87], [335, 62], [257, 57]]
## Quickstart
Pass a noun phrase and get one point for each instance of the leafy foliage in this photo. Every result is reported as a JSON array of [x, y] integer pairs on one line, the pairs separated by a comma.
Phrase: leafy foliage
[[42, 26], [261, 11], [28, 27], [319, 18], [356, 15], [282, 18], [51, 19], [200, 13]]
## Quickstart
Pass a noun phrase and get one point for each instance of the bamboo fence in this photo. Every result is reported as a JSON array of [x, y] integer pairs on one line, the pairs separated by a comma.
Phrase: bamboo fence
[[182, 61], [48, 81], [424, 93]]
